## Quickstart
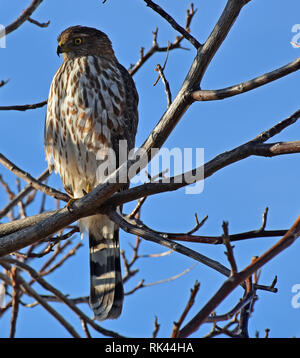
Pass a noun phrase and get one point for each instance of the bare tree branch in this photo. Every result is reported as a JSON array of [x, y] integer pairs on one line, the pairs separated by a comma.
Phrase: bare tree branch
[[173, 23], [212, 95], [39, 24], [176, 44], [230, 284], [32, 181], [22, 18], [23, 107], [16, 199], [35, 275]]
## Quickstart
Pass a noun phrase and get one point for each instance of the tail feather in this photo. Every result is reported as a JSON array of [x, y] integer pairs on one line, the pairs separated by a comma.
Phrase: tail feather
[[106, 287]]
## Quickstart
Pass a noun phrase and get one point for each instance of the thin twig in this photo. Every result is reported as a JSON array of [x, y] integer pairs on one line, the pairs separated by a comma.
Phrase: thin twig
[[212, 95], [173, 23], [23, 17], [35, 275], [229, 248], [189, 305], [236, 279], [35, 295], [32, 181], [22, 194], [23, 107], [39, 24], [156, 327], [176, 44], [14, 302], [226, 316], [161, 75]]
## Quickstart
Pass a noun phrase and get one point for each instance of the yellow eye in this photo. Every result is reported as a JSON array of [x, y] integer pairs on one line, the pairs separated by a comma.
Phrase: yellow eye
[[77, 41]]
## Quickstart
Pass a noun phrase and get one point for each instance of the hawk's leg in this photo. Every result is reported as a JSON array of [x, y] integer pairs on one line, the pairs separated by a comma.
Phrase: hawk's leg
[[72, 200]]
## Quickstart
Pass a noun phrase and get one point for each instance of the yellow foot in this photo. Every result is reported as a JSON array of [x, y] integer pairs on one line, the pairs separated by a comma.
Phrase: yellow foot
[[71, 201], [88, 189], [70, 204]]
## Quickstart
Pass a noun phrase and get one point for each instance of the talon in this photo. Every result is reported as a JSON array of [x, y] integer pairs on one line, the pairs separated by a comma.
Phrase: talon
[[70, 204], [88, 189]]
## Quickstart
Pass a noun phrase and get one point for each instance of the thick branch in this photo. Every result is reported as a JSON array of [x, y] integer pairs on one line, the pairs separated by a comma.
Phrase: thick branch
[[253, 147], [208, 50], [131, 226], [47, 224], [211, 95], [138, 228]]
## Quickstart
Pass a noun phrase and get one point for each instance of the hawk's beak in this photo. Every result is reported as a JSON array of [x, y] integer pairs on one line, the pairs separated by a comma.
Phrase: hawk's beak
[[59, 50]]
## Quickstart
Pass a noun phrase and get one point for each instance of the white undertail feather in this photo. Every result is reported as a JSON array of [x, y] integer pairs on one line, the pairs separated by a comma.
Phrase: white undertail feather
[[106, 293]]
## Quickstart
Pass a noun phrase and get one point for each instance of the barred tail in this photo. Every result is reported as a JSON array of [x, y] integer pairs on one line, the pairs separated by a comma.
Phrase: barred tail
[[106, 288]]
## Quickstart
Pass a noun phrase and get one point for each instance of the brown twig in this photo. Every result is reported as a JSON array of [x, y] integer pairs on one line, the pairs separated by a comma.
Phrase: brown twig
[[156, 327], [176, 44], [6, 187], [198, 224], [14, 201], [161, 75], [226, 316], [32, 181], [184, 32], [229, 248], [189, 305], [46, 251], [62, 260], [23, 17], [39, 24], [23, 107], [85, 328], [212, 95], [58, 250], [137, 209], [14, 301]]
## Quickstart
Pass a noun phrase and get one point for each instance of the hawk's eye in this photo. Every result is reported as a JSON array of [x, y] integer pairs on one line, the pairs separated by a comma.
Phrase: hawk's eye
[[77, 41]]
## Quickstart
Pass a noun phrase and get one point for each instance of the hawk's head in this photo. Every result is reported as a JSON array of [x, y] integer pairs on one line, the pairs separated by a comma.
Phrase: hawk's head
[[79, 41]]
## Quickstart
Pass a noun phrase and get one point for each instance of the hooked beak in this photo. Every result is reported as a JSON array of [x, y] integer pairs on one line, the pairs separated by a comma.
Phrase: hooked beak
[[59, 50]]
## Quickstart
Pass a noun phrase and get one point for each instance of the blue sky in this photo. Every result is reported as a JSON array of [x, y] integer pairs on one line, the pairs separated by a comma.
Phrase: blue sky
[[259, 42]]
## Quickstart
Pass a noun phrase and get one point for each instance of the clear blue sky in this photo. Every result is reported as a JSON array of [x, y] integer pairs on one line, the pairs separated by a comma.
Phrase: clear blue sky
[[259, 42]]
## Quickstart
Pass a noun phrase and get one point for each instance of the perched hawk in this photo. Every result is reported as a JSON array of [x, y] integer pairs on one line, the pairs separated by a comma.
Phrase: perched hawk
[[92, 106]]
